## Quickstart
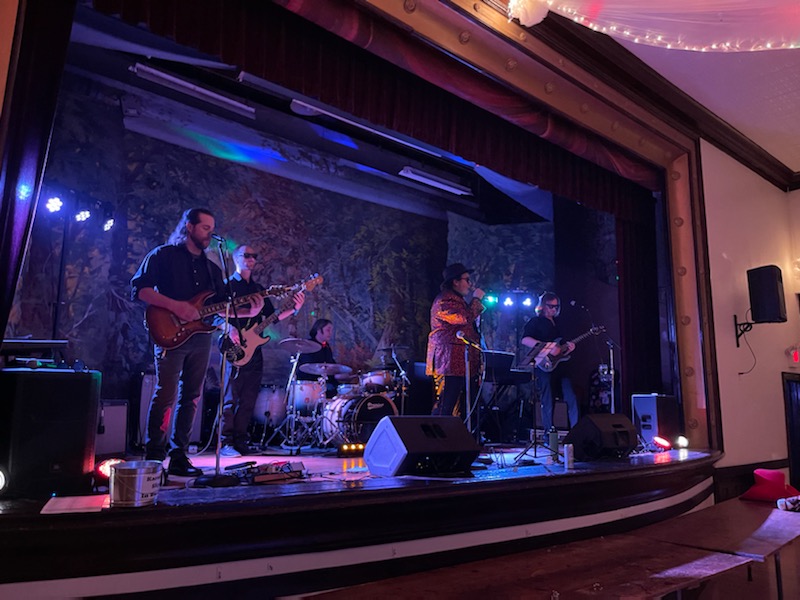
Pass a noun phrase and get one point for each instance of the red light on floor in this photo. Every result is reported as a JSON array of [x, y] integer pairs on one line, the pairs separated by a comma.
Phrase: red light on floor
[[662, 443], [103, 470]]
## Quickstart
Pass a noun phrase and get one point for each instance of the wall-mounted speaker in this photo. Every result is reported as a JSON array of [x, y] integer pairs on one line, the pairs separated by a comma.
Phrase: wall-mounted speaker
[[602, 435], [765, 285], [416, 445], [48, 424]]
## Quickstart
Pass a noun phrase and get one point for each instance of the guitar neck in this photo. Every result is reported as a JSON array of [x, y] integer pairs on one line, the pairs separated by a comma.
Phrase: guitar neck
[[212, 309]]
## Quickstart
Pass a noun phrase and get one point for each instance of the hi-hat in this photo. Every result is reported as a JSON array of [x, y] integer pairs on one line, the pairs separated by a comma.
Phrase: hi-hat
[[295, 345], [325, 369]]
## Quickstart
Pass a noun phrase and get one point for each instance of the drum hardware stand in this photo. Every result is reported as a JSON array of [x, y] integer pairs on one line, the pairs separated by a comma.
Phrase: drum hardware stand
[[289, 426], [404, 382]]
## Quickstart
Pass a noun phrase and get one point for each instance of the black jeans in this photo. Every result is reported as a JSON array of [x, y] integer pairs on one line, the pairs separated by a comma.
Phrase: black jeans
[[183, 370]]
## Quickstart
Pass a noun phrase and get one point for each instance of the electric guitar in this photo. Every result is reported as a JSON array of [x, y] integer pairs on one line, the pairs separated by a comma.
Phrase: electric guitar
[[169, 331], [542, 354], [251, 339]]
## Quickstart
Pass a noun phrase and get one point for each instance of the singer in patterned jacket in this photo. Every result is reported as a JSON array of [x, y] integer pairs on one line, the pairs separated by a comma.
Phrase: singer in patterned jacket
[[453, 328]]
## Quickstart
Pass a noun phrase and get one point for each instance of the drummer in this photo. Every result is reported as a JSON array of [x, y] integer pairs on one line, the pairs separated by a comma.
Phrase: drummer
[[321, 332]]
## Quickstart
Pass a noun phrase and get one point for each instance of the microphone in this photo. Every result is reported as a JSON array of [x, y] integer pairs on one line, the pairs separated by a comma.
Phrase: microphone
[[218, 237], [460, 335]]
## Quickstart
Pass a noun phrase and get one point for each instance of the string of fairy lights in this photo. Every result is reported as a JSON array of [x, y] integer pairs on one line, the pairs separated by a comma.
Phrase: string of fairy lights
[[711, 30]]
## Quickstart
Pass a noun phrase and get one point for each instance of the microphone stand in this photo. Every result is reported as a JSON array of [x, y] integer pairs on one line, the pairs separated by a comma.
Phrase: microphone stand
[[405, 382], [218, 479], [468, 389]]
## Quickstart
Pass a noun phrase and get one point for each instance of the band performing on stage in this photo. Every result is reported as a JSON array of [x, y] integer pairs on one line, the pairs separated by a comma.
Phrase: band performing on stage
[[323, 403]]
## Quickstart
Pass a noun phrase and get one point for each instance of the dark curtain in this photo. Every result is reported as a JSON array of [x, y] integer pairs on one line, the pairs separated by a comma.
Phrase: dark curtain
[[37, 60]]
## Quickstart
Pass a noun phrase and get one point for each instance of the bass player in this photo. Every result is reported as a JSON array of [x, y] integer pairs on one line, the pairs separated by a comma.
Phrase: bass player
[[243, 386], [168, 278], [550, 383]]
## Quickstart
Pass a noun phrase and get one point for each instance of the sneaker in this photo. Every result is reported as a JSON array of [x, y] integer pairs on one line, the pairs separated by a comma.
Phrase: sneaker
[[242, 449], [180, 465], [229, 452]]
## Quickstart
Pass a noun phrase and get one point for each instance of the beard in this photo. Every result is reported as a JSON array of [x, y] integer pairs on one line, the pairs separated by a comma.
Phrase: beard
[[199, 241]]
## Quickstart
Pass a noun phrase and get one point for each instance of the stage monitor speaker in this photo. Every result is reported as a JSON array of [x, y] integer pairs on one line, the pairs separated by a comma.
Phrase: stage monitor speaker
[[48, 424], [767, 303], [416, 445], [656, 414], [602, 435]]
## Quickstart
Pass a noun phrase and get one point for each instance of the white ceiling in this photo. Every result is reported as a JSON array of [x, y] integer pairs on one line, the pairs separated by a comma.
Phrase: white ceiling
[[757, 93]]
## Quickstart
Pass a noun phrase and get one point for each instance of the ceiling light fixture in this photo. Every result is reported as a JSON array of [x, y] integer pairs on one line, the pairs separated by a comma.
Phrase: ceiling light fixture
[[195, 91], [434, 181]]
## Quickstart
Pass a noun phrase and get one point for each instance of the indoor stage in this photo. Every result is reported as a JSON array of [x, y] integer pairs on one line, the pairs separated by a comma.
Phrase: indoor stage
[[330, 522]]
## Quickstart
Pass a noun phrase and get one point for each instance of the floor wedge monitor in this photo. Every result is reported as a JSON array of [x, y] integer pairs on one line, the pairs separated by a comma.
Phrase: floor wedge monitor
[[420, 445]]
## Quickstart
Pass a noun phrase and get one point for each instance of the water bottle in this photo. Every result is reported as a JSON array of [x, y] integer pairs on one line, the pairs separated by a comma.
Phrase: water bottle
[[552, 439]]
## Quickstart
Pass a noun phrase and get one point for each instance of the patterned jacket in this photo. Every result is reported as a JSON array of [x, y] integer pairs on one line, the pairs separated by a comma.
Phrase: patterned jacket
[[450, 313]]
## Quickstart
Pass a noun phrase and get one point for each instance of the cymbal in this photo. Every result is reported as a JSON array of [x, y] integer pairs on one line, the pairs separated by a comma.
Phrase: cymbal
[[325, 369], [295, 345], [393, 347]]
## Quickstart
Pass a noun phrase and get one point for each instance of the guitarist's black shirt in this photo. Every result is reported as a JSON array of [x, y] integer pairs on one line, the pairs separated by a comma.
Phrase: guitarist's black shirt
[[541, 329], [176, 273]]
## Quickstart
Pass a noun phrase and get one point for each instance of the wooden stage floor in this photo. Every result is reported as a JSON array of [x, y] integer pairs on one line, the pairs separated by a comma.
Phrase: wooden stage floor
[[338, 524]]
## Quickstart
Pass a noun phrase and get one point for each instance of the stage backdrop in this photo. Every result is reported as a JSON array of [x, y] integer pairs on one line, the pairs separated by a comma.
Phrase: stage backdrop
[[381, 266]]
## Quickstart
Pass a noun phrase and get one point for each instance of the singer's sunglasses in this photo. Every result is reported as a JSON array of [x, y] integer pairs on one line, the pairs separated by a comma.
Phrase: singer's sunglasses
[[250, 255], [467, 279], [554, 306]]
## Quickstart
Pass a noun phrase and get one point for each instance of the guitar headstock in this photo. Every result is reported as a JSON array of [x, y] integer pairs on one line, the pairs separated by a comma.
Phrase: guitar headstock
[[597, 329], [312, 282]]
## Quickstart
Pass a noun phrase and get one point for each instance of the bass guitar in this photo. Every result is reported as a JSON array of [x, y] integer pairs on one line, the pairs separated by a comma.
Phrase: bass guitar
[[547, 355], [169, 331], [251, 339]]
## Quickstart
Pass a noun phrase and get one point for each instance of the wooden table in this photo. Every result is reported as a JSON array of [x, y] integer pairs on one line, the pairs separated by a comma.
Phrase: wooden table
[[750, 529], [619, 566]]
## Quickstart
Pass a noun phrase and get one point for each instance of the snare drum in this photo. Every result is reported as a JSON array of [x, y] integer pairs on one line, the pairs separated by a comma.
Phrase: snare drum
[[306, 396], [348, 420], [377, 381], [348, 390]]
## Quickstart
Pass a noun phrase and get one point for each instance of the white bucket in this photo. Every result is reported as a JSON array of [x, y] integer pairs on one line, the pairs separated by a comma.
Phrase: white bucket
[[135, 483]]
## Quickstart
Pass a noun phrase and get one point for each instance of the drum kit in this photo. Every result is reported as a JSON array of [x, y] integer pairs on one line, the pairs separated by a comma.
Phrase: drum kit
[[361, 400]]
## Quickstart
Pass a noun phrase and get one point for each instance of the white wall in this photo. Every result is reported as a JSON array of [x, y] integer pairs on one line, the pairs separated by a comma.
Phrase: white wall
[[750, 224]]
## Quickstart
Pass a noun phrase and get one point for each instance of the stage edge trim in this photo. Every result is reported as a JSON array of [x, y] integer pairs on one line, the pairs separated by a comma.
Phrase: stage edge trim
[[162, 579]]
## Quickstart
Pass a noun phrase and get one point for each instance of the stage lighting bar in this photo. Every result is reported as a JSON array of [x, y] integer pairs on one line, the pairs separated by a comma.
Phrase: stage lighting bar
[[434, 181], [195, 91], [351, 449]]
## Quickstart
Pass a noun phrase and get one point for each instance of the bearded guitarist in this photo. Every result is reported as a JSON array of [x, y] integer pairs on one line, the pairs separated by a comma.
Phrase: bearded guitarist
[[168, 278], [243, 387], [539, 333]]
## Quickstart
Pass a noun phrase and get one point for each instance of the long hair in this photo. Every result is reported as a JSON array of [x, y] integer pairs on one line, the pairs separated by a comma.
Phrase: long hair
[[192, 216], [318, 324], [544, 299]]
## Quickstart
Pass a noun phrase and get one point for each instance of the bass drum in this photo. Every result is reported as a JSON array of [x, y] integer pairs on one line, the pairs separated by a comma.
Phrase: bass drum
[[349, 420]]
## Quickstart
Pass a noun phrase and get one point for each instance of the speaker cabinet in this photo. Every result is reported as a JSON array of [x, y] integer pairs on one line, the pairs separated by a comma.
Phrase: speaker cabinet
[[602, 435], [48, 423], [418, 445], [656, 414], [767, 303]]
